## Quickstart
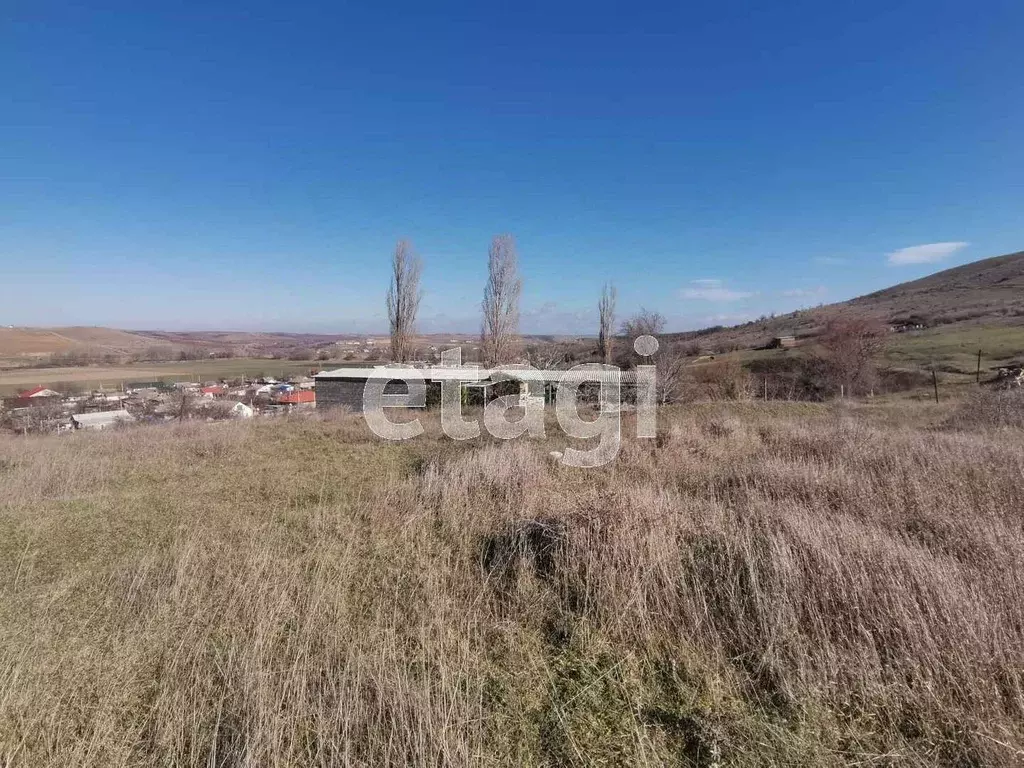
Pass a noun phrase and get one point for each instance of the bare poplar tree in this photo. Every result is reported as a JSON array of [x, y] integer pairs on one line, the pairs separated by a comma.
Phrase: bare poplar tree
[[500, 329], [606, 316], [403, 300]]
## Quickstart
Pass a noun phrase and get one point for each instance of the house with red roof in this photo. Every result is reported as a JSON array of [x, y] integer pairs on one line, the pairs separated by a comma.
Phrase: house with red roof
[[38, 392], [297, 397]]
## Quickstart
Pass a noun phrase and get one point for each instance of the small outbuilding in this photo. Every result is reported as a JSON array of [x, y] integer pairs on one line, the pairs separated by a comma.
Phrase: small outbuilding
[[782, 342], [297, 397], [101, 419]]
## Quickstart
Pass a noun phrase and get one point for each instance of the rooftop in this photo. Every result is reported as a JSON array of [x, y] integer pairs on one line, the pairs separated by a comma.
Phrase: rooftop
[[102, 418], [467, 374]]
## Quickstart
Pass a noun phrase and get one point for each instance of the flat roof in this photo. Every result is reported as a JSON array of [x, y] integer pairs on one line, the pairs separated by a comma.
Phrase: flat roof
[[394, 371], [102, 417], [469, 374]]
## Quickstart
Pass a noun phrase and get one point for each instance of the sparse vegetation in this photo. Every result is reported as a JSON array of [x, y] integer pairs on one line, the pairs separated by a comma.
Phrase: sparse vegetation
[[850, 344], [990, 408], [765, 584], [646, 322]]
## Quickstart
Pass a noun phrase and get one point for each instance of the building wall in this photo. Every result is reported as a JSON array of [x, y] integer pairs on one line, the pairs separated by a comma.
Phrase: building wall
[[348, 393], [334, 393]]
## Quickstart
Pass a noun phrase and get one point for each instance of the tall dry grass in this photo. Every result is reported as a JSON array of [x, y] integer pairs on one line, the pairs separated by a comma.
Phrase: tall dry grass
[[762, 585]]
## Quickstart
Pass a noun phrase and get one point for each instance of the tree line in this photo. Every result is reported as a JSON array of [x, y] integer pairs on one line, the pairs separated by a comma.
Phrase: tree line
[[500, 340], [843, 360]]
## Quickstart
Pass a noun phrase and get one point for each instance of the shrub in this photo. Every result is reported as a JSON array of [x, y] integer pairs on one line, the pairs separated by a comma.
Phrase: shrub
[[720, 380], [849, 344], [990, 408]]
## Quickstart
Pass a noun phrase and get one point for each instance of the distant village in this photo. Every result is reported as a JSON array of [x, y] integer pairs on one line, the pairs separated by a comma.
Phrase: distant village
[[43, 410]]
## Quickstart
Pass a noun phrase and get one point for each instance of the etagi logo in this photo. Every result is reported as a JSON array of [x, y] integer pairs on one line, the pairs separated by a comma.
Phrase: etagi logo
[[528, 406]]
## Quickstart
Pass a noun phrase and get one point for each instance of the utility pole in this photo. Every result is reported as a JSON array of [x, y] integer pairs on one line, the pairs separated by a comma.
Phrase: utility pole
[[977, 375], [935, 383]]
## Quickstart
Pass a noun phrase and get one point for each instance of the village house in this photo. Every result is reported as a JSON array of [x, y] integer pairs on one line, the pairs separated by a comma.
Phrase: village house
[[101, 419], [296, 398], [36, 399], [38, 393], [100, 399]]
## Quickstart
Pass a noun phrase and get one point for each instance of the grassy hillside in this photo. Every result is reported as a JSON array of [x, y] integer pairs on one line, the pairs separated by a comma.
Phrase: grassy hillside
[[23, 343], [765, 584], [987, 293], [34, 342], [987, 290]]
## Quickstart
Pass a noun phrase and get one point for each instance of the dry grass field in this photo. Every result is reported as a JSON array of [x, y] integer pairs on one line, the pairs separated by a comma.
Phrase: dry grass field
[[15, 342], [764, 584]]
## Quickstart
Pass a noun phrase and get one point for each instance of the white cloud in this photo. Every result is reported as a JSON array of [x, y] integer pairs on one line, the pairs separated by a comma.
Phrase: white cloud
[[712, 289], [929, 253], [803, 293]]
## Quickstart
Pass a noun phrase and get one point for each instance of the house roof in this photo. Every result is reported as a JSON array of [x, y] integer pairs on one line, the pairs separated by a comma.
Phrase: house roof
[[299, 396], [39, 392], [469, 374], [102, 418]]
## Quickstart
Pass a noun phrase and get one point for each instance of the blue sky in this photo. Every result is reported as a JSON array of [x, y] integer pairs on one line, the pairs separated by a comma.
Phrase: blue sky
[[250, 166]]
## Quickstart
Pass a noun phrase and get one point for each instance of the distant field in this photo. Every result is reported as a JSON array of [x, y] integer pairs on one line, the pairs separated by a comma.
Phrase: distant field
[[15, 342], [113, 376], [957, 347], [24, 346], [36, 342]]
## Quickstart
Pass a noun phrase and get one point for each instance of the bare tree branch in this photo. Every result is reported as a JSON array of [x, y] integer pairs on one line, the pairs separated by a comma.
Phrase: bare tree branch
[[643, 323], [849, 345], [499, 334], [403, 299]]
